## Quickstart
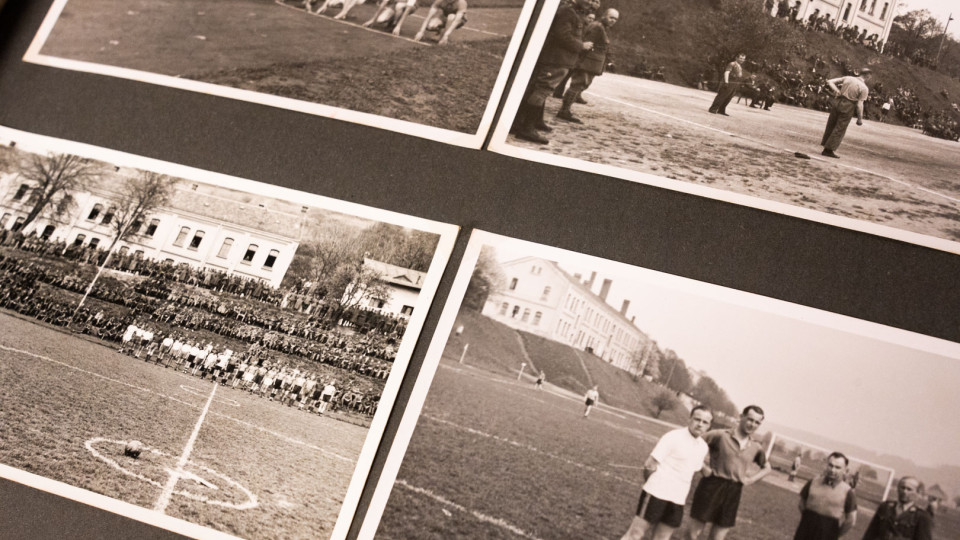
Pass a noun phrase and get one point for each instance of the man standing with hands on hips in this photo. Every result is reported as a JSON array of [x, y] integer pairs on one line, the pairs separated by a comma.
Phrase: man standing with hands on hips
[[717, 497], [850, 92]]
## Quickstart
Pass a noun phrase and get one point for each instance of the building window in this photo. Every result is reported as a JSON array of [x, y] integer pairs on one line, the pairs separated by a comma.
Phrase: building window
[[21, 191], [136, 225], [526, 316], [873, 6], [78, 241], [123, 250], [536, 318], [94, 242], [863, 5], [138, 253], [4, 220], [108, 217], [95, 212], [883, 13], [181, 236], [195, 242], [152, 227], [271, 258], [513, 284], [503, 308], [846, 12], [251, 252], [47, 232], [225, 248], [18, 224], [546, 293], [516, 311], [406, 310], [377, 303]]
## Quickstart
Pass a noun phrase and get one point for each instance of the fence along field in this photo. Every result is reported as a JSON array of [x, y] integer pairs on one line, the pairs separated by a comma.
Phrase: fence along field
[[492, 457]]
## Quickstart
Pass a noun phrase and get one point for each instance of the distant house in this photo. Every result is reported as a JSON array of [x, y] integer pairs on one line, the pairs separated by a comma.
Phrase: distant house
[[874, 16], [404, 285], [543, 299]]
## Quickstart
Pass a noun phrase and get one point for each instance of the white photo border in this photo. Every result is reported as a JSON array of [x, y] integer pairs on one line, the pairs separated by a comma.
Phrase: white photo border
[[467, 140], [479, 239], [498, 143], [447, 235]]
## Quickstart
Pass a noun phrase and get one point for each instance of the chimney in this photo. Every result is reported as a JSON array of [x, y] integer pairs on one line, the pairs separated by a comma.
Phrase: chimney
[[633, 320], [589, 284], [625, 307], [577, 277], [605, 289]]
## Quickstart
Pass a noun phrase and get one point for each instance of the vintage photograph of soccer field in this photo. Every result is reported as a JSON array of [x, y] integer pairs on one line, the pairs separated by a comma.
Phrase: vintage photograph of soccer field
[[222, 354], [375, 62], [556, 374], [734, 100]]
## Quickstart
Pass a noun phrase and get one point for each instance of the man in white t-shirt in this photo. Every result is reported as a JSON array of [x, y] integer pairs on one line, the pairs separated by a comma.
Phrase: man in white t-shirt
[[668, 473], [327, 396]]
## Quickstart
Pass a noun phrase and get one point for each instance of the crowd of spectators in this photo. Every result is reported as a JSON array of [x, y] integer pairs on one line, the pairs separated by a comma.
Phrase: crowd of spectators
[[274, 328]]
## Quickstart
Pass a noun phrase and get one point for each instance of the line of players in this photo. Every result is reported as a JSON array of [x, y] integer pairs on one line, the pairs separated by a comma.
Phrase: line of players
[[272, 380], [444, 16]]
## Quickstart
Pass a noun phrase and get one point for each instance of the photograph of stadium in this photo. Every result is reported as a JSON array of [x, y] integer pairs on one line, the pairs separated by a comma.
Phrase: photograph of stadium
[[214, 355], [559, 387], [845, 112], [430, 68]]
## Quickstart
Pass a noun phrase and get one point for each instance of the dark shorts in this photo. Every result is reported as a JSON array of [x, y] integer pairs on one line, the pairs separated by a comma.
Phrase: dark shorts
[[296, 390], [258, 379], [659, 511], [716, 500], [589, 402], [326, 398], [315, 395]]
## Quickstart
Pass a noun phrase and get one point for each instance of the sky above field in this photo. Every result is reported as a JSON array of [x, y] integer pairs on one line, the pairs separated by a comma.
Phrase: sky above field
[[941, 9], [807, 375]]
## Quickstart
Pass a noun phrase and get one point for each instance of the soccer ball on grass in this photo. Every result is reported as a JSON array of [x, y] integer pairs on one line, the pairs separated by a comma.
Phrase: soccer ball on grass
[[133, 449]]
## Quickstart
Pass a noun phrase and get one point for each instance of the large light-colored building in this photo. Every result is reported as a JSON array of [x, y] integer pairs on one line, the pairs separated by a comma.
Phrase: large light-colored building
[[202, 225], [404, 287], [874, 16], [543, 299]]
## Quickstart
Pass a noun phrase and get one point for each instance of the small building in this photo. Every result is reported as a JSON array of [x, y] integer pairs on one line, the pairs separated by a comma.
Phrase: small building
[[874, 16], [403, 284], [543, 299]]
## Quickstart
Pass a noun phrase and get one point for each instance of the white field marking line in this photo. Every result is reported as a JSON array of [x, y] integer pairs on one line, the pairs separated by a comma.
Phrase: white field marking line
[[191, 405], [768, 145], [525, 446], [625, 466], [196, 392], [340, 21], [251, 498], [479, 516], [467, 28], [175, 475]]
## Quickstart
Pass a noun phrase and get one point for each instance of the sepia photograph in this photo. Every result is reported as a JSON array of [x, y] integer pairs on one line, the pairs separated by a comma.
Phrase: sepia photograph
[[206, 354], [567, 396], [434, 68], [841, 112]]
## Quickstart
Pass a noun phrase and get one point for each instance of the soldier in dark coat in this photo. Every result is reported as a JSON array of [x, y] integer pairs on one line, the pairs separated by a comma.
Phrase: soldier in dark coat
[[591, 64], [560, 54]]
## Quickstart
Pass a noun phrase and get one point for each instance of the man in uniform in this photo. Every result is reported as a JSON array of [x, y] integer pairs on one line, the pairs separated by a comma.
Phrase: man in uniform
[[850, 91], [901, 519], [591, 64], [668, 473], [828, 505], [728, 86], [561, 51], [717, 497]]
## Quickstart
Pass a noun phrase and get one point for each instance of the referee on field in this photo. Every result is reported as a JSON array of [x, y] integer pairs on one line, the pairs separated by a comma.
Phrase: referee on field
[[717, 497]]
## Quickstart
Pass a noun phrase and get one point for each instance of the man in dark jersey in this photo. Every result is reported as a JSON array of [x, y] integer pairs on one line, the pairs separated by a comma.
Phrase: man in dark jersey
[[561, 51], [828, 505], [901, 519], [729, 85]]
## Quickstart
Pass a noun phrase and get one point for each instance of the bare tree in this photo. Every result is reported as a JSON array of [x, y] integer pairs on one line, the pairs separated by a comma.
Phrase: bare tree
[[663, 400], [137, 198], [353, 284], [54, 177]]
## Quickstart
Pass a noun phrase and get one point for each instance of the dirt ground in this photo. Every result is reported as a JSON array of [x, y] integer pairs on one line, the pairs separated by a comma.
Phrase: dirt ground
[[890, 175], [280, 49]]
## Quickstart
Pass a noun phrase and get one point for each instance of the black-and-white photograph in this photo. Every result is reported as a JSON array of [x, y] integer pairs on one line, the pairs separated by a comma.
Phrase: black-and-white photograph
[[222, 353], [567, 396], [431, 68], [843, 112]]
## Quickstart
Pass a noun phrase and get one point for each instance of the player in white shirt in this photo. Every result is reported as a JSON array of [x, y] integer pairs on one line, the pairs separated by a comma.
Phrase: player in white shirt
[[327, 396], [590, 399], [127, 337], [308, 388], [668, 473]]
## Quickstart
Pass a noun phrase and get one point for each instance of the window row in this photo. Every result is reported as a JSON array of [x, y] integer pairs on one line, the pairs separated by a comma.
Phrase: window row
[[524, 316]]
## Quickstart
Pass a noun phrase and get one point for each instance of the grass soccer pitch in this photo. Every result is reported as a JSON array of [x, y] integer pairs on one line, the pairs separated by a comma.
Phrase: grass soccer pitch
[[890, 175], [495, 458], [277, 48], [257, 469]]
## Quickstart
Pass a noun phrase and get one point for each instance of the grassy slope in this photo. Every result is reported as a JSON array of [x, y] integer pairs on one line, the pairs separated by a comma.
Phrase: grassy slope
[[494, 346], [665, 33]]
